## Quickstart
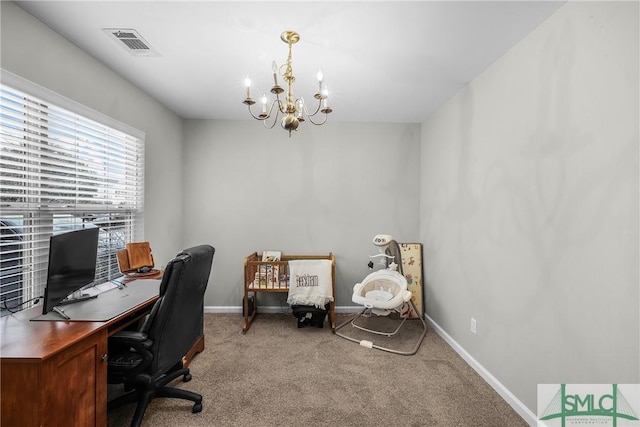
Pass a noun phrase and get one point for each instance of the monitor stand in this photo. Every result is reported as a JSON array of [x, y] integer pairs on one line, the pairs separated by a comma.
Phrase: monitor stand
[[60, 313], [72, 299], [75, 299]]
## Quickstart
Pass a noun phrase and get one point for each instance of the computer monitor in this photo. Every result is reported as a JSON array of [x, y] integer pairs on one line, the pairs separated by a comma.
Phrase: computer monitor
[[72, 264]]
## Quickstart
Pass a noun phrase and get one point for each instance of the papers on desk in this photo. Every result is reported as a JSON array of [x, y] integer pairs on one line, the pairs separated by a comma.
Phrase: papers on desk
[[98, 289]]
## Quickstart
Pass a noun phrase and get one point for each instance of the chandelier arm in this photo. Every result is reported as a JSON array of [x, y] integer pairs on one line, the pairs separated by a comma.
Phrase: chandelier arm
[[275, 118], [264, 122], [281, 107], [315, 112], [273, 104], [264, 119], [254, 116], [318, 123]]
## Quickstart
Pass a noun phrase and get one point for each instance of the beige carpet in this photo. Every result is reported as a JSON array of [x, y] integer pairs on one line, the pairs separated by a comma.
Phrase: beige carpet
[[279, 375]]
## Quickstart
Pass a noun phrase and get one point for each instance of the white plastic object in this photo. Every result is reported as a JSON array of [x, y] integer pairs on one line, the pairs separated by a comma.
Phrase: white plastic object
[[382, 239], [389, 281]]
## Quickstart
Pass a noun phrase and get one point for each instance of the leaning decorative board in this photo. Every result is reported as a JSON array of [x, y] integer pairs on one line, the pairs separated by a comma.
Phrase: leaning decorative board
[[411, 254]]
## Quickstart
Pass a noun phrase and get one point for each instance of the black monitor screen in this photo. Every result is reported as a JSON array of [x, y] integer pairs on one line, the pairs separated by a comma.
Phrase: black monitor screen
[[72, 264]]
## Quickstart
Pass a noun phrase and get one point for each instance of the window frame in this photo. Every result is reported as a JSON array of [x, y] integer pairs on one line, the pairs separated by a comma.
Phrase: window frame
[[36, 222]]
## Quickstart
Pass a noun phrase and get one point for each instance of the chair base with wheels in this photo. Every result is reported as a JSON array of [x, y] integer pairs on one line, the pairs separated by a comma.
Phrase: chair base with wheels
[[382, 292], [157, 388]]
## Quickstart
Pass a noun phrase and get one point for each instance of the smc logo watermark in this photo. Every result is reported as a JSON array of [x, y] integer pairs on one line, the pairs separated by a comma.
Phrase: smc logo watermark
[[562, 405]]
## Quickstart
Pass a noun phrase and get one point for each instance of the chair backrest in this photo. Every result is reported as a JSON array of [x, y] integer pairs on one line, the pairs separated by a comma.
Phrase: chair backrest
[[175, 322]]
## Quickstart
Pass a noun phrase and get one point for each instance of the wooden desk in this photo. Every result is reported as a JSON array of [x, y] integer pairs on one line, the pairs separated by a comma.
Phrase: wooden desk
[[54, 373]]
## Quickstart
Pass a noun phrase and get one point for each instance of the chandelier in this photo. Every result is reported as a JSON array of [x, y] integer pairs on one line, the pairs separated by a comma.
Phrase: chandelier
[[294, 110]]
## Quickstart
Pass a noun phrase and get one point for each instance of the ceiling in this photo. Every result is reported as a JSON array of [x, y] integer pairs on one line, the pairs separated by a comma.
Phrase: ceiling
[[383, 61]]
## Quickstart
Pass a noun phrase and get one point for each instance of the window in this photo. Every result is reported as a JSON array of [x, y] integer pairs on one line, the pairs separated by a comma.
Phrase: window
[[59, 170]]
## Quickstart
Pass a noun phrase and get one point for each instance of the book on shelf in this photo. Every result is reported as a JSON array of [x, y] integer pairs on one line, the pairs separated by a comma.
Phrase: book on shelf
[[270, 256], [268, 276]]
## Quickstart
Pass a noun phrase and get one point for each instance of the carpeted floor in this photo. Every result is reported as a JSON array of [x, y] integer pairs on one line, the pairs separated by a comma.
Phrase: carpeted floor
[[279, 375]]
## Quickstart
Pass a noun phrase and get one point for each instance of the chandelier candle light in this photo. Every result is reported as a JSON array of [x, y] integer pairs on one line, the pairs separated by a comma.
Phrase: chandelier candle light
[[294, 111]]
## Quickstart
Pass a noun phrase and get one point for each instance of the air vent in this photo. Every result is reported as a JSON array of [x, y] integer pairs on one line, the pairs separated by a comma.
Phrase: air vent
[[132, 41]]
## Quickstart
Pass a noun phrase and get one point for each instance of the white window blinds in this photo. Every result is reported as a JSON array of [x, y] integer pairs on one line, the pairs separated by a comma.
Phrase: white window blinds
[[58, 171]]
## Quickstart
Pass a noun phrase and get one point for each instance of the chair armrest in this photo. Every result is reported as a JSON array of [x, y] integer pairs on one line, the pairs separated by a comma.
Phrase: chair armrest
[[129, 354], [132, 338]]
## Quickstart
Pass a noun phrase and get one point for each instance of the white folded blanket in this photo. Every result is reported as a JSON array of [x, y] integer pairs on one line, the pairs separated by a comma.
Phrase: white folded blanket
[[310, 282]]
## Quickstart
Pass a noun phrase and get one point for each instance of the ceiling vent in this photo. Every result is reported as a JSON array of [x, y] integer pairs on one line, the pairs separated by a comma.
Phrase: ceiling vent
[[132, 41]]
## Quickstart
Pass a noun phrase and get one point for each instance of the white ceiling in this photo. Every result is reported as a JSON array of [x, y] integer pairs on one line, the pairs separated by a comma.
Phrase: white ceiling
[[384, 61]]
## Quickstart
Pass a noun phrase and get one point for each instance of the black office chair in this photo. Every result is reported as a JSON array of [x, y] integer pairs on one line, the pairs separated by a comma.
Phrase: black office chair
[[146, 360]]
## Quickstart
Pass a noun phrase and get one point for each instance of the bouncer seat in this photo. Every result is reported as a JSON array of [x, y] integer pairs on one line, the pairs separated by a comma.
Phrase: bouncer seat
[[381, 293]]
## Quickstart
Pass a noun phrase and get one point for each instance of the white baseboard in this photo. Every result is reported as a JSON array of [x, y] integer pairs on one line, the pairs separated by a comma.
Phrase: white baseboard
[[513, 401], [238, 309], [272, 309], [220, 309]]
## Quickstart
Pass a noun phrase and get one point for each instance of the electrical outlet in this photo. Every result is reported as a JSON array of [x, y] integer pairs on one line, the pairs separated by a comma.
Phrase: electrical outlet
[[474, 326]]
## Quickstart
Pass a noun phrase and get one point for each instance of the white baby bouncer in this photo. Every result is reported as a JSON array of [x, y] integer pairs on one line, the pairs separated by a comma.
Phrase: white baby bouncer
[[381, 293]]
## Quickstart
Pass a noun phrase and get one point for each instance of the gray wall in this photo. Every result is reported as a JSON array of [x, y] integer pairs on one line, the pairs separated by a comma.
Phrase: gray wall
[[325, 189], [529, 205], [34, 52]]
